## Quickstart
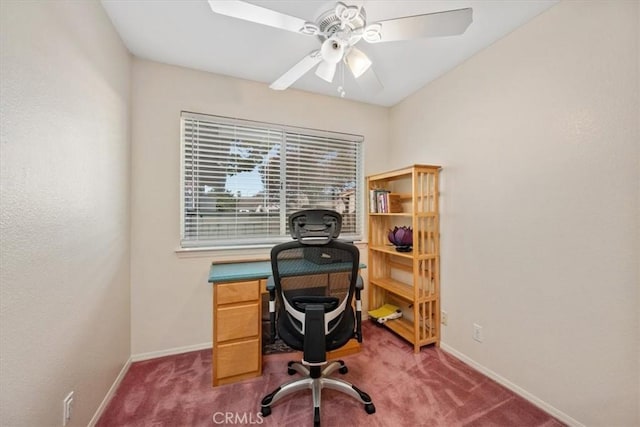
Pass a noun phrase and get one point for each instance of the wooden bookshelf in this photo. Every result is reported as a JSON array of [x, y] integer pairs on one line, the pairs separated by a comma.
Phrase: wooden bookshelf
[[410, 280]]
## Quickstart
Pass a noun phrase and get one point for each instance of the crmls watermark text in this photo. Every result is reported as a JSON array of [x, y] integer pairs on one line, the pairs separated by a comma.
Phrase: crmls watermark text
[[237, 418]]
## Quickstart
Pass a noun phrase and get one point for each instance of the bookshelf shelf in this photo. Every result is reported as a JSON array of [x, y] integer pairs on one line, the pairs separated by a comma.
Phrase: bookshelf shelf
[[392, 214]]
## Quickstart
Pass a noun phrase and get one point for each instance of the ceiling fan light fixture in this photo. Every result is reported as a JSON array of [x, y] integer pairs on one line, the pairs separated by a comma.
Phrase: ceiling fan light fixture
[[332, 50], [358, 62], [326, 70]]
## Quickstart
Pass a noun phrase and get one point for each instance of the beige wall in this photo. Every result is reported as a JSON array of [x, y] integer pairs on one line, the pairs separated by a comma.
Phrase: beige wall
[[539, 138], [64, 222], [171, 299]]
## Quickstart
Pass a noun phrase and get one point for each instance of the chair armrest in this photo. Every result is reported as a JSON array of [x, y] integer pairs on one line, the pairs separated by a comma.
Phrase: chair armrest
[[271, 287], [359, 287]]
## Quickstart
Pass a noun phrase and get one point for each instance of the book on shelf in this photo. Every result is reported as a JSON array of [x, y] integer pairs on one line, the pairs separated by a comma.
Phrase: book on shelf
[[379, 201], [383, 201], [373, 203]]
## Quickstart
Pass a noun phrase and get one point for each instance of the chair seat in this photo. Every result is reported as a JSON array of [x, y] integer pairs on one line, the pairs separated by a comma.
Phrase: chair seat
[[295, 340]]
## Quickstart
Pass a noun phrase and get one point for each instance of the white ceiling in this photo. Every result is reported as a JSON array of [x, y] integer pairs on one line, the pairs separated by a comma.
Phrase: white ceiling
[[187, 33]]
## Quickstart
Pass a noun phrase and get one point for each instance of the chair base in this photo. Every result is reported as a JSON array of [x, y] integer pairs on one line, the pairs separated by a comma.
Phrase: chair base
[[316, 379]]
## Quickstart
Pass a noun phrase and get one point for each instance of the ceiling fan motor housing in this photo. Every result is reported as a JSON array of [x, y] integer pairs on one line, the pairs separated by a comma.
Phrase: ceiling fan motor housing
[[331, 25]]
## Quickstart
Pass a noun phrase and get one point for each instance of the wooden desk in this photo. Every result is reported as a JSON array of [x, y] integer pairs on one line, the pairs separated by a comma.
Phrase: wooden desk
[[237, 320]]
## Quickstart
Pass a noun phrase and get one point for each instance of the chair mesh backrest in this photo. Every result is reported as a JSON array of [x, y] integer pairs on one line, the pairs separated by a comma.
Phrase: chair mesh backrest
[[329, 270]]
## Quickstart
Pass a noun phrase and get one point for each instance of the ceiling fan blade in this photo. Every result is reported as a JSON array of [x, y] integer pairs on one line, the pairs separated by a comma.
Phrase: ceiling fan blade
[[448, 23], [297, 71], [369, 81], [261, 15]]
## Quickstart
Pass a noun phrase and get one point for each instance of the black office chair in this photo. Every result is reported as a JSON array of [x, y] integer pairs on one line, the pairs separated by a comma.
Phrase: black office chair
[[314, 282]]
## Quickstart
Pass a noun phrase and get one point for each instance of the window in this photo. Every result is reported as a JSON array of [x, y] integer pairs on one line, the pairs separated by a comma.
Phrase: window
[[242, 179]]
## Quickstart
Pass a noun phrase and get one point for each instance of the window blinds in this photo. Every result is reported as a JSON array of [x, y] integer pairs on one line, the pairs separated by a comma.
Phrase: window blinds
[[241, 180]]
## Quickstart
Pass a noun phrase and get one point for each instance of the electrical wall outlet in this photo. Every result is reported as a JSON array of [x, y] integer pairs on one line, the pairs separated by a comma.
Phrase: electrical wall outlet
[[67, 409], [477, 332], [444, 318]]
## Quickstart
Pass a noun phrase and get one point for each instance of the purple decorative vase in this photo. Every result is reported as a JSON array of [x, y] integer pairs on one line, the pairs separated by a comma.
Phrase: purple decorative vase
[[401, 238]]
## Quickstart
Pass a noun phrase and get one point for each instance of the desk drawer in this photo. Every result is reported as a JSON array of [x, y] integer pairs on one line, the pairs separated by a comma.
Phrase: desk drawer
[[238, 358], [228, 293], [239, 321]]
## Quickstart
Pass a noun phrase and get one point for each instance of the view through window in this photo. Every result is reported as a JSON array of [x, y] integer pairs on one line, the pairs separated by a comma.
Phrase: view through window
[[241, 180]]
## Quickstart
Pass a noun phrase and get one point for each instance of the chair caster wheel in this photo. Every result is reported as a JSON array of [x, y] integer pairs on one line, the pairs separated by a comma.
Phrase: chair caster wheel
[[343, 370], [290, 370], [369, 408], [265, 411]]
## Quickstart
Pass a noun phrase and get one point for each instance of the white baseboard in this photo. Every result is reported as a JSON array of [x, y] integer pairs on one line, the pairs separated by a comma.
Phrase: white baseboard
[[170, 352], [110, 393], [513, 387]]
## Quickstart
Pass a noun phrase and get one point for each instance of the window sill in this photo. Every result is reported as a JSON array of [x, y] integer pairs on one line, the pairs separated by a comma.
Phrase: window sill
[[236, 253], [232, 253]]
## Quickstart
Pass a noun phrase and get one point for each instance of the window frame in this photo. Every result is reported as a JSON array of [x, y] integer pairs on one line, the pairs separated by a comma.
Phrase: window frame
[[267, 241]]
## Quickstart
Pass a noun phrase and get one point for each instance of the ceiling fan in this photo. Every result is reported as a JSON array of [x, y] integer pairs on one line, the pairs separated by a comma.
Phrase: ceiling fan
[[340, 29]]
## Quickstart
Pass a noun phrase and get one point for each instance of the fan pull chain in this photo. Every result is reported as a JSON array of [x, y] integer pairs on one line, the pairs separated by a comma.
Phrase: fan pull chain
[[341, 90]]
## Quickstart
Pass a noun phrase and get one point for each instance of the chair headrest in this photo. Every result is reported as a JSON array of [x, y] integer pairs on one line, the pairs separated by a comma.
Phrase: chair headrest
[[315, 226]]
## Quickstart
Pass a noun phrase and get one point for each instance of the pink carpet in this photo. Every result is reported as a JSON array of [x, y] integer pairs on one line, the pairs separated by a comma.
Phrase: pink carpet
[[426, 389]]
